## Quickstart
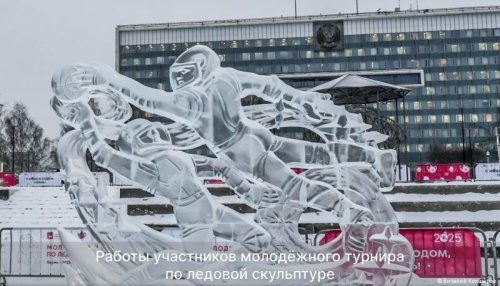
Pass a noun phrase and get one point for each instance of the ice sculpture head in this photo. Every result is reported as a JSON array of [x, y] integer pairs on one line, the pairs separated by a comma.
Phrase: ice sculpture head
[[192, 66], [141, 137]]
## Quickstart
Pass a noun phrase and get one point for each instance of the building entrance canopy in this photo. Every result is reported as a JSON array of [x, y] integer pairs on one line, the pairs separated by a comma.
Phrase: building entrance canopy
[[354, 89]]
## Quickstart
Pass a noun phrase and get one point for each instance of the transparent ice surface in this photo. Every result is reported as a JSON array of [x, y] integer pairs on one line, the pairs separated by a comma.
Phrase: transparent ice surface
[[345, 175]]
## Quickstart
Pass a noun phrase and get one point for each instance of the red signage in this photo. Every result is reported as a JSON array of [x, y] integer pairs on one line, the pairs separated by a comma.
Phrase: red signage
[[440, 253], [442, 172], [9, 179]]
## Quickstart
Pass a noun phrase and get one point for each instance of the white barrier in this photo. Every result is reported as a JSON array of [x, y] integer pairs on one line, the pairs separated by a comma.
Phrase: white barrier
[[402, 173], [48, 179], [488, 172], [30, 251]]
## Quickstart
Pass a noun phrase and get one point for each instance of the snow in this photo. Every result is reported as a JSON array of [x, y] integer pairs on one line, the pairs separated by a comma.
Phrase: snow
[[51, 206]]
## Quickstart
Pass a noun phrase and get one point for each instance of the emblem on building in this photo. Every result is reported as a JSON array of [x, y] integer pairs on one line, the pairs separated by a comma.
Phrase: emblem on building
[[329, 35]]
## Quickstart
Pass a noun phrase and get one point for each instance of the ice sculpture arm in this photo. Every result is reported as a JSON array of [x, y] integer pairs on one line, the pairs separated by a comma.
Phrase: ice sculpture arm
[[74, 82], [271, 88], [79, 116], [254, 194]]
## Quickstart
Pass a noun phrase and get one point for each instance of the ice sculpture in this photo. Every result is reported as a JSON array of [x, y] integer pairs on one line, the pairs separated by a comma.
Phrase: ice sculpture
[[345, 175]]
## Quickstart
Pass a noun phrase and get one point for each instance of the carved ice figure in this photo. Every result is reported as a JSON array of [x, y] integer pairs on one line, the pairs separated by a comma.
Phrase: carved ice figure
[[206, 98], [206, 107], [146, 159]]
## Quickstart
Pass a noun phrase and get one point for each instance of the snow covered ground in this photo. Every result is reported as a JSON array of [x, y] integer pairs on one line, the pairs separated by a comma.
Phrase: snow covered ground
[[51, 207]]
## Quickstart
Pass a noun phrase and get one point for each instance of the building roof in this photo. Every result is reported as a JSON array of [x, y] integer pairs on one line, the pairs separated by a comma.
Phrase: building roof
[[337, 17]]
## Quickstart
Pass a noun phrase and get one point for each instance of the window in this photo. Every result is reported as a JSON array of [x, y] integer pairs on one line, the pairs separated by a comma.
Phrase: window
[[416, 105], [309, 41], [296, 42], [486, 89], [430, 90], [125, 62], [484, 60], [258, 43], [442, 76], [497, 74], [271, 56], [401, 50], [430, 104], [488, 117], [373, 51], [496, 46], [387, 51], [160, 86], [321, 54], [374, 38], [415, 63], [348, 52], [483, 33], [283, 42], [361, 52], [446, 118], [414, 36], [455, 48], [271, 42], [147, 61], [160, 60], [472, 89], [387, 37], [309, 54], [428, 35], [137, 62], [443, 63], [259, 56], [468, 33], [246, 43], [245, 56], [482, 46], [442, 34], [456, 76], [401, 37]]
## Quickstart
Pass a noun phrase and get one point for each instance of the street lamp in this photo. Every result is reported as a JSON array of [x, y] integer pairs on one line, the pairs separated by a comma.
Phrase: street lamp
[[488, 157]]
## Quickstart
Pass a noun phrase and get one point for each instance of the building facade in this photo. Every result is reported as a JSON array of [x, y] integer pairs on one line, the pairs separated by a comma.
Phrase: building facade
[[450, 58]]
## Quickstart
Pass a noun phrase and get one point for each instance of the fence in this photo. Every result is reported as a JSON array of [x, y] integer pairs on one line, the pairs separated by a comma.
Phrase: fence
[[38, 252], [34, 252]]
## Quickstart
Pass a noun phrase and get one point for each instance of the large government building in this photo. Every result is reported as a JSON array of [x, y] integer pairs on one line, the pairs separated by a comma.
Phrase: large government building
[[450, 58]]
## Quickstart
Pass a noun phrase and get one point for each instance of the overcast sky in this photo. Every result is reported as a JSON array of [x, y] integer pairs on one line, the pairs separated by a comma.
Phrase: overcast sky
[[38, 36]]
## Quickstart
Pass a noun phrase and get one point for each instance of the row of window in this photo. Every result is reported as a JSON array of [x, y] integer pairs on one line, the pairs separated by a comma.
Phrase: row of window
[[449, 146], [309, 41], [309, 54], [464, 75], [413, 36], [423, 133], [461, 89], [445, 118], [440, 104]]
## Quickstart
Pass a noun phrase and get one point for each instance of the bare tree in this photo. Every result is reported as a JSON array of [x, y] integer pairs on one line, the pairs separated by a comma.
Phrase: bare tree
[[24, 143]]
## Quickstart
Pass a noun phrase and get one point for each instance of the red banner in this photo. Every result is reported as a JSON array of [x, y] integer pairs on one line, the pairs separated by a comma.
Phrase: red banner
[[442, 172], [440, 253], [9, 179]]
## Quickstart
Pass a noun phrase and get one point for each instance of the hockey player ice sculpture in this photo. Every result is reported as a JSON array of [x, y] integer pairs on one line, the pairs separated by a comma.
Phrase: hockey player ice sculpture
[[345, 175]]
